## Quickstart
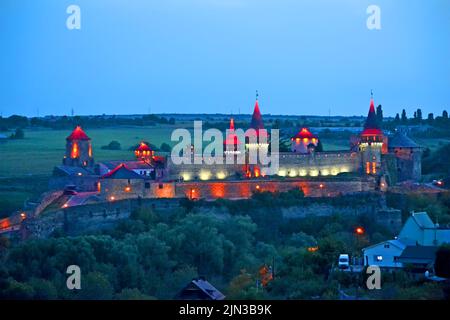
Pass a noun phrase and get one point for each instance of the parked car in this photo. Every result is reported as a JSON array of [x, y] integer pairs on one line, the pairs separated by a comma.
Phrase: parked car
[[344, 261]]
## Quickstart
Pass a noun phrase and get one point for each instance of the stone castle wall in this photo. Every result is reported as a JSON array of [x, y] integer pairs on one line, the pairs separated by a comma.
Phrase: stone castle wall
[[245, 189], [91, 218], [290, 164]]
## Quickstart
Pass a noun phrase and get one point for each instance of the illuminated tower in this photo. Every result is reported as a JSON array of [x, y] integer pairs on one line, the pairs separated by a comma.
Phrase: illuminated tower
[[372, 143], [232, 143], [304, 141], [78, 149], [260, 140], [255, 144], [144, 153]]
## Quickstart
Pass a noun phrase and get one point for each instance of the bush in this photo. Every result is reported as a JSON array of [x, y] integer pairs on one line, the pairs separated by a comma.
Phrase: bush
[[113, 145], [442, 264], [165, 147], [18, 134]]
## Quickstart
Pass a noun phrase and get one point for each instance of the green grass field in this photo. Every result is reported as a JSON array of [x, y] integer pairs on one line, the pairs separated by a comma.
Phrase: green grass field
[[26, 165], [41, 150]]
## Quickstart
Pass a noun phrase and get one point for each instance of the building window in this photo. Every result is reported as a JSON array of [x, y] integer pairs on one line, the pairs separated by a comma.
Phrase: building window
[[75, 152], [386, 246], [378, 258]]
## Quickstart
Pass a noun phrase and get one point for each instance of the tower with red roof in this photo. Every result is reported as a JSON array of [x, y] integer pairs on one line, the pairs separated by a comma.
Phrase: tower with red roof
[[372, 142], [304, 141], [144, 153], [256, 140], [232, 144], [78, 149], [260, 139]]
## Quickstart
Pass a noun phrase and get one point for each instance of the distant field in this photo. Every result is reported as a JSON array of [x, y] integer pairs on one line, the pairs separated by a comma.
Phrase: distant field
[[334, 145], [41, 150], [433, 144], [25, 165]]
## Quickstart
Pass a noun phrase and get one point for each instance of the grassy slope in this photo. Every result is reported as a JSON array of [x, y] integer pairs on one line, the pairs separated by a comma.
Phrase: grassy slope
[[25, 165], [41, 150]]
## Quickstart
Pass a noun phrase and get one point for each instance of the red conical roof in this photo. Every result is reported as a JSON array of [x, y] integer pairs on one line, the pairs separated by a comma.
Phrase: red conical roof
[[305, 133], [78, 134], [257, 122], [231, 124], [143, 147], [232, 138], [371, 126]]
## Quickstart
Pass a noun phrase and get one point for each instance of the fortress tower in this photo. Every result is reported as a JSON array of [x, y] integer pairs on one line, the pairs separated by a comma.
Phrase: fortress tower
[[408, 155], [232, 144], [144, 153], [78, 149], [372, 143], [255, 143], [304, 141], [260, 140]]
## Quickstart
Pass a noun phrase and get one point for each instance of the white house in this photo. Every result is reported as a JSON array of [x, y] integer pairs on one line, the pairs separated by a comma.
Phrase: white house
[[418, 230], [384, 254]]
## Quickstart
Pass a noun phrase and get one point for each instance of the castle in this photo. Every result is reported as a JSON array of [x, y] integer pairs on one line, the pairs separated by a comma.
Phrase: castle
[[373, 162]]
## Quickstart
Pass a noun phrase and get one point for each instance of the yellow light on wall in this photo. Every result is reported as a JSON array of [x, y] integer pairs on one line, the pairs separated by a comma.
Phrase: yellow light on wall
[[186, 176], [324, 172], [282, 173], [314, 173], [292, 173], [74, 153], [303, 173], [344, 169], [205, 175], [221, 175], [334, 171]]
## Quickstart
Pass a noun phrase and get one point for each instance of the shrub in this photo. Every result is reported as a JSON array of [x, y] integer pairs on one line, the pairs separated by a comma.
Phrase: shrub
[[113, 145]]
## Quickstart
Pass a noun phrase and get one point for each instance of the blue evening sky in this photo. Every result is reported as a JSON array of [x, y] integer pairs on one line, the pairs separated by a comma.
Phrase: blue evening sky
[[209, 56]]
